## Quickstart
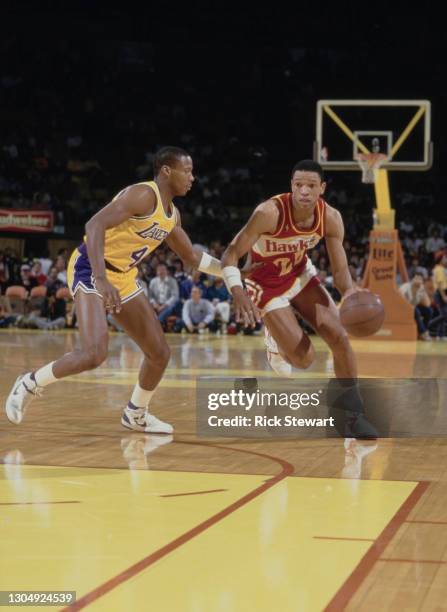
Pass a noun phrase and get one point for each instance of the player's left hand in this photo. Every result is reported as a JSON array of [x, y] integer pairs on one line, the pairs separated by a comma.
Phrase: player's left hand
[[352, 291], [246, 312]]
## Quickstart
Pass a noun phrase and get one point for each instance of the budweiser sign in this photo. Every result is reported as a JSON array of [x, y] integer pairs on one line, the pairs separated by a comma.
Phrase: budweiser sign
[[26, 220]]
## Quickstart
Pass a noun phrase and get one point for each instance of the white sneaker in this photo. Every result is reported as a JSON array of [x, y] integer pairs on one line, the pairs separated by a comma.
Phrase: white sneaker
[[139, 419], [23, 392], [277, 362], [425, 337], [136, 448]]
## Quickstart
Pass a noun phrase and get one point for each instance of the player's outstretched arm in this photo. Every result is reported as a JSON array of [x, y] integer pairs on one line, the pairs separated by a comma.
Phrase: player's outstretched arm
[[179, 242], [337, 255], [263, 220], [134, 200]]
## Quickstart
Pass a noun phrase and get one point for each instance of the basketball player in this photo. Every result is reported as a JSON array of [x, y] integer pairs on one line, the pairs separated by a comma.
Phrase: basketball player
[[102, 276], [278, 234]]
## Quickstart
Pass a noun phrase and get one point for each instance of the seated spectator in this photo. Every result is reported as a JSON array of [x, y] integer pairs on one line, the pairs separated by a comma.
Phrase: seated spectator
[[53, 283], [4, 273], [142, 279], [7, 317], [45, 262], [164, 294], [439, 323], [36, 272], [197, 313], [435, 242], [179, 273], [61, 266], [414, 243], [26, 280], [50, 315], [414, 292], [416, 268], [218, 295], [196, 280]]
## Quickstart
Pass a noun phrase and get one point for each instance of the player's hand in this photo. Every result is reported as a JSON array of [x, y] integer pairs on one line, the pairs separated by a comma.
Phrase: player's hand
[[352, 291], [246, 312], [110, 295]]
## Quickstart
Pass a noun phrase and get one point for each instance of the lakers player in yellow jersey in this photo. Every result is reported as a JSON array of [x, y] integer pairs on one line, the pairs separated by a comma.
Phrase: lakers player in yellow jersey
[[102, 276]]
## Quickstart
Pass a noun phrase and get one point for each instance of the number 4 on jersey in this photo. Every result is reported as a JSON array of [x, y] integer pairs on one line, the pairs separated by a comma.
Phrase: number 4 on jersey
[[137, 256]]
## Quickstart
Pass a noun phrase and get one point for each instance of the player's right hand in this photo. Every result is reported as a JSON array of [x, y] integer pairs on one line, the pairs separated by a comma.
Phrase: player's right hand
[[110, 295], [246, 312]]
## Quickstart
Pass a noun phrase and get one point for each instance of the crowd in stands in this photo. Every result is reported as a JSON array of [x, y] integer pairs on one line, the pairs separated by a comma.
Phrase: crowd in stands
[[70, 149], [192, 302], [80, 121]]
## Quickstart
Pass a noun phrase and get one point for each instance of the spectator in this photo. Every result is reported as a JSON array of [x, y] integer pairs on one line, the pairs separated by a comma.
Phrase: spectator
[[12, 264], [7, 318], [53, 283], [179, 273], [439, 323], [196, 280], [413, 243], [197, 313], [64, 253], [435, 242], [164, 294], [218, 295], [45, 263], [36, 272], [414, 292], [4, 273], [61, 266], [416, 268], [26, 280], [55, 308]]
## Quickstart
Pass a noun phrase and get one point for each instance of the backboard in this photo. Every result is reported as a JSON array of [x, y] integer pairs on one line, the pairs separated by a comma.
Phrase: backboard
[[401, 129]]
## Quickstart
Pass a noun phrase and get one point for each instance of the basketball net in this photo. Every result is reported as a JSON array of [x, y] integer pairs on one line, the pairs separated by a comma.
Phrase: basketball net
[[369, 162]]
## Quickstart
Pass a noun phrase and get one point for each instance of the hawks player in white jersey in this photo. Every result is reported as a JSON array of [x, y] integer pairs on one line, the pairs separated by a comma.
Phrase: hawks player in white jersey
[[278, 235]]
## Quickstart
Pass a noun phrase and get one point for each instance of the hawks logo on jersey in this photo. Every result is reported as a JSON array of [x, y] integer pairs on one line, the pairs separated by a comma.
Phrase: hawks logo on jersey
[[284, 252], [278, 246]]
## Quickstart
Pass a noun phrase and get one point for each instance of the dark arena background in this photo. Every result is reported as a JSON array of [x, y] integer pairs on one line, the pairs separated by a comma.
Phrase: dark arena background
[[172, 508]]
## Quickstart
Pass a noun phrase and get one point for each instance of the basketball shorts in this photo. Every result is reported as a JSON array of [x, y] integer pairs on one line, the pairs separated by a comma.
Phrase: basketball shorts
[[80, 277], [271, 298]]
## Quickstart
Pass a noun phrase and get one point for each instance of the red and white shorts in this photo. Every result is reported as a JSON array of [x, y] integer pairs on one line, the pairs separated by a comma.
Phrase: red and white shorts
[[272, 298]]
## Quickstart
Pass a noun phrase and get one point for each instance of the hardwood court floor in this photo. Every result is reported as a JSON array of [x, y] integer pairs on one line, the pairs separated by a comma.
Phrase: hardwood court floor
[[134, 521]]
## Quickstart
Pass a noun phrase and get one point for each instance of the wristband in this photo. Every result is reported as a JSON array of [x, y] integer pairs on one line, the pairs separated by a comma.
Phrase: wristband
[[210, 265], [232, 277]]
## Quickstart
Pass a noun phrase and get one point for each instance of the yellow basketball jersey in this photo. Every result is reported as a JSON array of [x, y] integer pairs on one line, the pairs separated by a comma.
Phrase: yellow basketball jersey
[[128, 243]]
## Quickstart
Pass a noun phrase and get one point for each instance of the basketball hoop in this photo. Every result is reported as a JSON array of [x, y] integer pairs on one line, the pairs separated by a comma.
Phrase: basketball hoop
[[369, 162]]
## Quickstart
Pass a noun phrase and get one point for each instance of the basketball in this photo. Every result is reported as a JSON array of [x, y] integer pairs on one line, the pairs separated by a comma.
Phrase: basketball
[[362, 314]]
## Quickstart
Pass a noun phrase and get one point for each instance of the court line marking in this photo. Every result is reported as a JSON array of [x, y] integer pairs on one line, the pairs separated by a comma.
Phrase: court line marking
[[427, 522], [351, 585], [37, 503], [412, 561], [140, 566], [111, 436], [193, 493], [344, 539]]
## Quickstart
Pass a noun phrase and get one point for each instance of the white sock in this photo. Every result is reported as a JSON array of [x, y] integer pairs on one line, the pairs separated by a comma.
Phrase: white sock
[[141, 397], [44, 376]]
